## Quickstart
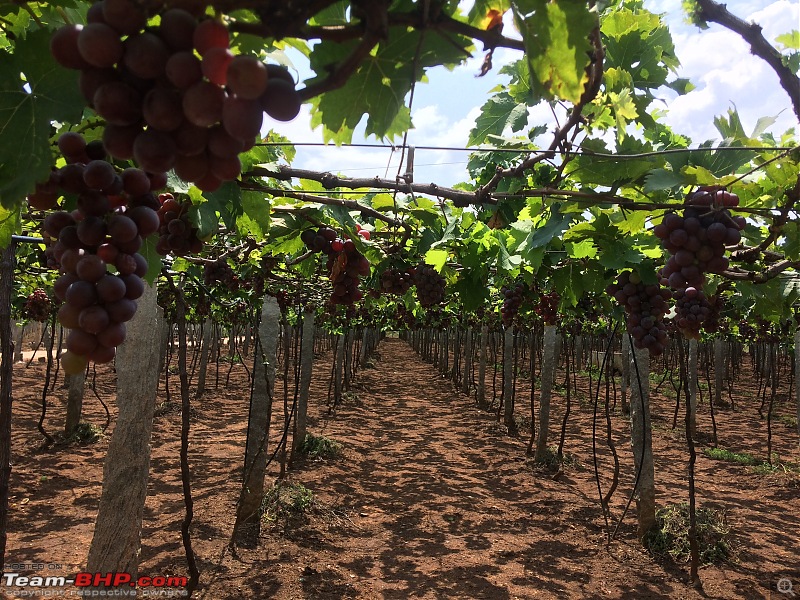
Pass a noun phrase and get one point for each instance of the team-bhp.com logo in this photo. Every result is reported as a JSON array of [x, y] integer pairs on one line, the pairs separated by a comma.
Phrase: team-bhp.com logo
[[96, 585]]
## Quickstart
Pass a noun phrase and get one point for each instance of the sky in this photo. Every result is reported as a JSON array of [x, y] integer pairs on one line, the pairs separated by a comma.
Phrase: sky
[[717, 61]]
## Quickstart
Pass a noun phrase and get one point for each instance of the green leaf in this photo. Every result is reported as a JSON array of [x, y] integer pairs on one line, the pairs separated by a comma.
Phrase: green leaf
[[437, 258], [383, 202], [682, 85], [498, 113], [556, 39], [568, 283], [789, 41], [9, 224], [662, 179], [153, 258], [555, 226], [584, 249], [26, 114], [618, 254], [379, 86], [257, 207], [624, 110]]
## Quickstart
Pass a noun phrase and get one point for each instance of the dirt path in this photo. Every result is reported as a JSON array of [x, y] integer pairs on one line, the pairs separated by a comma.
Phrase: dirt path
[[430, 498], [440, 503]]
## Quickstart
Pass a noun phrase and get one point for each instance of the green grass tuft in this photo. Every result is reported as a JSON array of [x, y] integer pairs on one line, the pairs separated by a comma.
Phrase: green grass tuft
[[286, 501], [670, 536], [319, 446], [86, 433]]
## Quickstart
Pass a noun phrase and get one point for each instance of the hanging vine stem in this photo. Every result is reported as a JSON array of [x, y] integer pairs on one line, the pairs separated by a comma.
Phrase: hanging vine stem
[[644, 425], [49, 440], [93, 387], [603, 499], [693, 547], [180, 309]]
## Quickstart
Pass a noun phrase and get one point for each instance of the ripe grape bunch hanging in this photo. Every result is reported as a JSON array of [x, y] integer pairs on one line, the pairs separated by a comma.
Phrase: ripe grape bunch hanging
[[397, 282], [173, 95], [430, 286], [697, 242], [345, 263], [547, 308], [645, 306], [513, 297], [38, 305], [115, 212]]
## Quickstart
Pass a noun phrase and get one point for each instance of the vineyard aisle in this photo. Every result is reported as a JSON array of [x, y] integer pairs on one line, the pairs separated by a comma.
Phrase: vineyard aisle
[[432, 500]]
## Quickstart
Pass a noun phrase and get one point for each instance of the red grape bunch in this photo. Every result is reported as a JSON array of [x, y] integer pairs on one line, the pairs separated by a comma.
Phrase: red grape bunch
[[397, 281], [512, 300], [430, 285], [113, 216], [177, 235], [697, 239], [219, 271], [324, 240], [547, 308], [345, 263], [347, 267], [173, 96], [38, 305], [645, 306], [692, 309]]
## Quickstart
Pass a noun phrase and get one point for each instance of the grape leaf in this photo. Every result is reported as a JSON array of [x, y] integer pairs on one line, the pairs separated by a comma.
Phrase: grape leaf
[[49, 92], [498, 113], [556, 38], [152, 257], [379, 86], [662, 179], [9, 224], [437, 258]]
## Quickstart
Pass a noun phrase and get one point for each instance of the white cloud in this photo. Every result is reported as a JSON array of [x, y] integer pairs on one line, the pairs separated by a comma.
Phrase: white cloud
[[725, 73]]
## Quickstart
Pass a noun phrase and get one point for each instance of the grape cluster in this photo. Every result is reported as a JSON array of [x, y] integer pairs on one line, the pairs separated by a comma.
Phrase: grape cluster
[[430, 285], [219, 271], [113, 216], [692, 308], [547, 308], [173, 95], [176, 233], [397, 281], [645, 306], [697, 239], [38, 306], [324, 240], [346, 268], [512, 300], [345, 263]]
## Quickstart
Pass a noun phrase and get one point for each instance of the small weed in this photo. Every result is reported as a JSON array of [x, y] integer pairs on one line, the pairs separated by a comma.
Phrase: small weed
[[743, 458], [787, 420], [351, 398], [285, 502], [670, 536], [552, 462], [758, 466], [235, 359], [86, 433], [319, 446], [165, 408]]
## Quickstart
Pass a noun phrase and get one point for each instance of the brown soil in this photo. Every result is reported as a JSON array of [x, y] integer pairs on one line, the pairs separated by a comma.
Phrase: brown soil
[[430, 499]]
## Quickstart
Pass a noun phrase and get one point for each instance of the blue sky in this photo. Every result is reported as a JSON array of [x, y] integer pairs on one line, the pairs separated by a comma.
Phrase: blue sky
[[717, 61]]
